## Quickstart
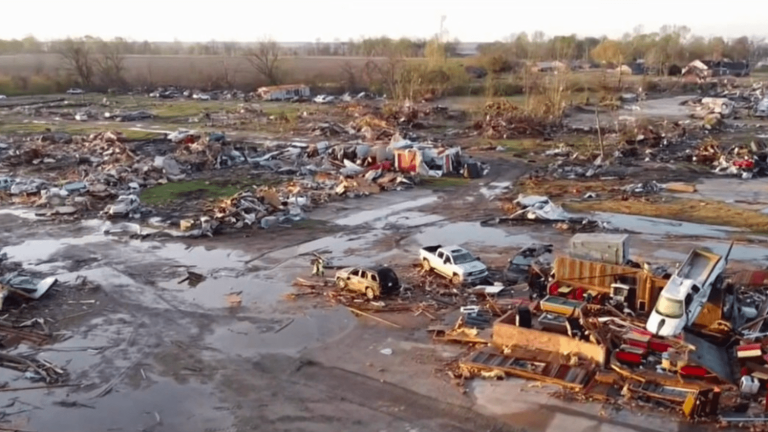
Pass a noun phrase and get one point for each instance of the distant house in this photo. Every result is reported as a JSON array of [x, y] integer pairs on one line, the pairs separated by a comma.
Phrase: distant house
[[550, 66], [716, 68], [283, 92]]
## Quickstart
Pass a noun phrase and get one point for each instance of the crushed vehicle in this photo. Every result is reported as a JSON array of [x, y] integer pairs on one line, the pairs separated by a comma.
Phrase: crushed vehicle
[[372, 282], [453, 262], [75, 91], [133, 116], [519, 270], [124, 205], [683, 298]]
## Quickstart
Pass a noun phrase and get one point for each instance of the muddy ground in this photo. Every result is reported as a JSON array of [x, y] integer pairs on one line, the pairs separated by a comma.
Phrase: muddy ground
[[151, 353], [179, 358]]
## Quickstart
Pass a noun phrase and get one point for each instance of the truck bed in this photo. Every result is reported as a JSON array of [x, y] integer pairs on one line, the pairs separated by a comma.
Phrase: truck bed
[[431, 249], [698, 266]]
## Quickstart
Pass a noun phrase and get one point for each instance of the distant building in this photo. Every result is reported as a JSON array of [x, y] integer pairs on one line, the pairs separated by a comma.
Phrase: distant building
[[716, 68], [283, 92]]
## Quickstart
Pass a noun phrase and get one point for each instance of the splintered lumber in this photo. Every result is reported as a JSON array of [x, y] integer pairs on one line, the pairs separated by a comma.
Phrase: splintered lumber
[[373, 317]]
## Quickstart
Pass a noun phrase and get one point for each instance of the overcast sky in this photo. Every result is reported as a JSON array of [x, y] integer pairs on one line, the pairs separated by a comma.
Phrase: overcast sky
[[307, 20]]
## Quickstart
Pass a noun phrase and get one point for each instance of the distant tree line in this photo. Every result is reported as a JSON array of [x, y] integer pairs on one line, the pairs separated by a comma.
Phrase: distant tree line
[[668, 44]]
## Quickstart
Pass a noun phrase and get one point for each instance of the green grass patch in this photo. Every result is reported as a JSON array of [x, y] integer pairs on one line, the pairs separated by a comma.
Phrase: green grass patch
[[169, 192], [445, 182], [24, 128], [140, 135], [188, 108], [517, 144]]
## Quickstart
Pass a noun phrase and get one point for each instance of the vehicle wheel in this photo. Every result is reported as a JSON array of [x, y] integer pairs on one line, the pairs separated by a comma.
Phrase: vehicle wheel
[[369, 293], [341, 283], [425, 265], [456, 279]]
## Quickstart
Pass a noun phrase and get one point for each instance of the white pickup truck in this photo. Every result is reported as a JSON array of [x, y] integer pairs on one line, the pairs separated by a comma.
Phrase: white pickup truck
[[682, 299], [453, 262]]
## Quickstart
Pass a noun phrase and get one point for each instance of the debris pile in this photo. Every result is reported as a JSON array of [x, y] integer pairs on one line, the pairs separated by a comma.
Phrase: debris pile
[[503, 120], [590, 326], [738, 160]]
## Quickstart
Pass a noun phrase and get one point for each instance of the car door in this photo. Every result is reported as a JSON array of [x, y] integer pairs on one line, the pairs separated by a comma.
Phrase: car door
[[373, 282], [438, 265], [354, 279], [447, 265]]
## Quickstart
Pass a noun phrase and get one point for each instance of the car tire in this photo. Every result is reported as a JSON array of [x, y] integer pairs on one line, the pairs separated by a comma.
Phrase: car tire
[[369, 293], [425, 265], [456, 279], [341, 283]]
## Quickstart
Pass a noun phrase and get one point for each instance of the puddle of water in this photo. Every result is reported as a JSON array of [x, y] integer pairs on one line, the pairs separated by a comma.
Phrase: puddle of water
[[35, 251], [205, 258], [19, 212], [749, 194], [255, 292], [318, 326], [369, 216], [180, 407], [338, 247], [408, 219], [467, 233], [656, 226]]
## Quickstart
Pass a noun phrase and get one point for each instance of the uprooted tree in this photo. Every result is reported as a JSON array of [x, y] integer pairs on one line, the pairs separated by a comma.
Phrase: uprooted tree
[[265, 60]]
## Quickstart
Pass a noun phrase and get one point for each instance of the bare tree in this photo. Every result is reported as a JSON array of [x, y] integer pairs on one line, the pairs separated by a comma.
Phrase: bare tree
[[111, 65], [349, 72], [265, 59], [77, 58]]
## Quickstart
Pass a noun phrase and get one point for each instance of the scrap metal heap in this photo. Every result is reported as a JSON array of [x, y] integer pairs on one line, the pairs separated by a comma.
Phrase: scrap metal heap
[[31, 309], [66, 175]]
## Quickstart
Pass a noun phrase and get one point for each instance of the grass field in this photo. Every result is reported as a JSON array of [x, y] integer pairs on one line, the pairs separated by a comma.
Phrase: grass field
[[193, 70]]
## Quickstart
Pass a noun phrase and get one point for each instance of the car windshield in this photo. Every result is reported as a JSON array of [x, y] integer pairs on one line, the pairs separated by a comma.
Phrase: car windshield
[[669, 307], [463, 258], [521, 261]]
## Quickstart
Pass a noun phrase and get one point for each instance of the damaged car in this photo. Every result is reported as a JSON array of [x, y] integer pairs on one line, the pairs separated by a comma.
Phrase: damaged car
[[124, 206], [519, 269], [372, 282]]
